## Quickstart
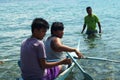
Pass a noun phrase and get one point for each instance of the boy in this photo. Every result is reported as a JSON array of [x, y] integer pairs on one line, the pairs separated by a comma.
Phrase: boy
[[54, 46], [90, 21]]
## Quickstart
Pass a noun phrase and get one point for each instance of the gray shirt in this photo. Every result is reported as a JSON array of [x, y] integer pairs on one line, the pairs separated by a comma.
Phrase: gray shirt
[[51, 54]]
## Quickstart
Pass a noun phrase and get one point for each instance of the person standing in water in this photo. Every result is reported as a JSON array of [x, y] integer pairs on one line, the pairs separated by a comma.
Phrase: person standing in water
[[90, 21]]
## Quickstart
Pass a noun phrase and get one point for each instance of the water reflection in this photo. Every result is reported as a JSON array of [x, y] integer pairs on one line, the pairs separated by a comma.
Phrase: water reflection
[[91, 42], [97, 47]]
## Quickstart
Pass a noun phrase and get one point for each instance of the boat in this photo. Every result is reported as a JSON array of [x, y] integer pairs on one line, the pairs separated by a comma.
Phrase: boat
[[65, 73], [61, 76]]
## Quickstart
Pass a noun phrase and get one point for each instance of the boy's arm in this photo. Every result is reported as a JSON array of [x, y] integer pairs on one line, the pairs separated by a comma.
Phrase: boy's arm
[[59, 47], [44, 64], [99, 25], [84, 26]]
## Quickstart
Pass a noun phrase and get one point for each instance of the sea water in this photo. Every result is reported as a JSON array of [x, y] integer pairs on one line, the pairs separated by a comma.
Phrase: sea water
[[15, 21]]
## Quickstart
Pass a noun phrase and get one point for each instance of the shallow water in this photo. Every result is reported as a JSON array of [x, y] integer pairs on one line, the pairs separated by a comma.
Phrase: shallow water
[[16, 17]]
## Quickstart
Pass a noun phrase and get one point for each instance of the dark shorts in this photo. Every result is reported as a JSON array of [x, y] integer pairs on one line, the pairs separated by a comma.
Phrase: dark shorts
[[52, 73], [89, 32]]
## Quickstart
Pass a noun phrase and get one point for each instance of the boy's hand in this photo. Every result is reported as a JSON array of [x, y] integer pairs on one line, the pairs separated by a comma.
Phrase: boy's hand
[[66, 61]]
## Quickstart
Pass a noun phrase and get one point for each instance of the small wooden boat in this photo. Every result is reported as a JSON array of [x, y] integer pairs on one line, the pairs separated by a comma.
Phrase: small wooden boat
[[65, 73], [62, 75]]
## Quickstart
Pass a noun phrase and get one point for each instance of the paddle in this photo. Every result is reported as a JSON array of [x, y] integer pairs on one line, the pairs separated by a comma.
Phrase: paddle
[[7, 60], [86, 75], [4, 60], [101, 59]]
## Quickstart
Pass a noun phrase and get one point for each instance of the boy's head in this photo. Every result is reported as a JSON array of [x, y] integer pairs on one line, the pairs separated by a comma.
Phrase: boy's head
[[39, 23], [89, 10], [57, 29], [39, 27]]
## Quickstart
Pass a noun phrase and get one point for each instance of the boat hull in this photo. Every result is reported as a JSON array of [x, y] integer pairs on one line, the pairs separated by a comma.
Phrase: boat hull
[[65, 73], [61, 76]]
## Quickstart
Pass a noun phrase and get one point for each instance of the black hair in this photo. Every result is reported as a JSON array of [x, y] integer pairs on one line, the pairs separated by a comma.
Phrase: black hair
[[39, 23], [88, 8], [57, 26]]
